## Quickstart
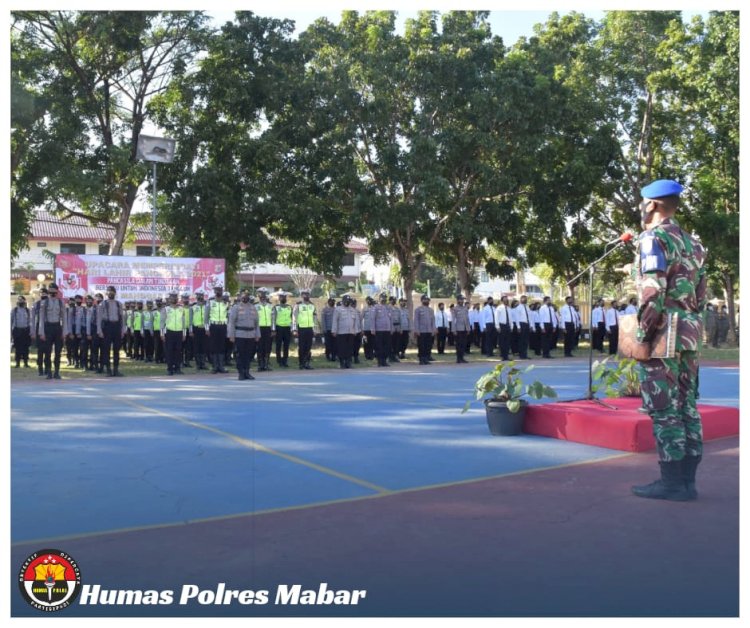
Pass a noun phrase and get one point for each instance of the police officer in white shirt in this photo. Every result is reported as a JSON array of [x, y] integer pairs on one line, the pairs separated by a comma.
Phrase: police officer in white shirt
[[611, 320], [548, 322], [487, 322], [599, 329], [523, 320], [504, 327], [442, 322], [569, 325]]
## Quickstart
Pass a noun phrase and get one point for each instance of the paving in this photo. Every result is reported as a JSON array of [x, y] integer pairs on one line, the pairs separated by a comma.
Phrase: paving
[[365, 479]]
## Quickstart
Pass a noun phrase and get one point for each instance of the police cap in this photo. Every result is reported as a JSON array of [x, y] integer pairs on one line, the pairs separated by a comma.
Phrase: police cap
[[424, 297], [661, 188]]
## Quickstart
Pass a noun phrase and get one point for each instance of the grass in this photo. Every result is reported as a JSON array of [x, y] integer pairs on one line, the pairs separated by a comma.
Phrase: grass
[[130, 368]]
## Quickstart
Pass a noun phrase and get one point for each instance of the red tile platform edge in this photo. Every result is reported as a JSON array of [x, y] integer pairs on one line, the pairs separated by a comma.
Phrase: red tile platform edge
[[623, 428]]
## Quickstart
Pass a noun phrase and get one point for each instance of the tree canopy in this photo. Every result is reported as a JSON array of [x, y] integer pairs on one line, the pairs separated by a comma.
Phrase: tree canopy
[[440, 144]]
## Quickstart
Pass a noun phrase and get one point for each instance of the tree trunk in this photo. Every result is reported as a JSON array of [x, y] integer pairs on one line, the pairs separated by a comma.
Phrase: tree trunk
[[729, 294], [462, 269]]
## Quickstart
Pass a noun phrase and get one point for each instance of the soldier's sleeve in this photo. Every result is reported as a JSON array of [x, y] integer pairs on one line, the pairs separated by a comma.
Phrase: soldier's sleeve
[[653, 272]]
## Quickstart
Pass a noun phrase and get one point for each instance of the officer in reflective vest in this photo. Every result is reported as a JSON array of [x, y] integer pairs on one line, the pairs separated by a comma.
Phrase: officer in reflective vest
[[304, 320], [173, 329], [265, 321], [187, 342], [282, 327], [158, 336], [198, 330], [217, 314], [138, 353]]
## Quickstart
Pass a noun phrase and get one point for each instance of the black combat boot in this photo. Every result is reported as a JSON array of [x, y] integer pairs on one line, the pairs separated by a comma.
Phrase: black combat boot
[[247, 374], [671, 485], [689, 466]]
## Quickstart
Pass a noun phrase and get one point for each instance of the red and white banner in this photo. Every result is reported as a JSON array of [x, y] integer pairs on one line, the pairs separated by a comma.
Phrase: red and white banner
[[136, 278]]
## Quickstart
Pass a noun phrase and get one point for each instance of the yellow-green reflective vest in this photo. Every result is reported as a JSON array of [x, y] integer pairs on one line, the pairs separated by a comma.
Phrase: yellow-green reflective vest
[[305, 315], [283, 316], [137, 321], [218, 312], [186, 317], [264, 314], [198, 313], [157, 320], [175, 319]]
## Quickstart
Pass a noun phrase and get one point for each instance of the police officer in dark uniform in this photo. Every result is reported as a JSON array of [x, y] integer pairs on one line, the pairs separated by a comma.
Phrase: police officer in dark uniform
[[53, 322], [20, 328], [111, 328], [37, 331]]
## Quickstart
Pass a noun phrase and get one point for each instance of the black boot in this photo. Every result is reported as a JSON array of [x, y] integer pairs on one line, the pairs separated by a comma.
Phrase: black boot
[[671, 485], [342, 364], [215, 363], [689, 466], [241, 374], [247, 374]]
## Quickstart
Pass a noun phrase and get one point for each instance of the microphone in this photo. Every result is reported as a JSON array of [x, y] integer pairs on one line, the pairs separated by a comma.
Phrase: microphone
[[625, 237]]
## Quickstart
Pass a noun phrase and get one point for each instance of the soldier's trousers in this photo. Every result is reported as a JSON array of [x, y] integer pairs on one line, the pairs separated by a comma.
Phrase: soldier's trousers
[[668, 390], [217, 340], [330, 346], [54, 339], [369, 345], [344, 347], [442, 334], [523, 341], [382, 346], [148, 345], [173, 350], [200, 344], [503, 340], [304, 347], [461, 338], [158, 347], [245, 349], [490, 339], [112, 331], [21, 342], [613, 338], [283, 337], [264, 344]]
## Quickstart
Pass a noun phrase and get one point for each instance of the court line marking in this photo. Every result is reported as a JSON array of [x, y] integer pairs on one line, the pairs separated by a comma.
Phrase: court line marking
[[344, 500], [256, 446]]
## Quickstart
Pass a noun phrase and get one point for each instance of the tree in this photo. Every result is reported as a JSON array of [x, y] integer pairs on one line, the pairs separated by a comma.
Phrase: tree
[[99, 71], [242, 171], [700, 84]]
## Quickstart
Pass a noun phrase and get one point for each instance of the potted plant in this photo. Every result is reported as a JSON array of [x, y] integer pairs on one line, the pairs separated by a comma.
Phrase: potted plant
[[502, 390], [616, 379]]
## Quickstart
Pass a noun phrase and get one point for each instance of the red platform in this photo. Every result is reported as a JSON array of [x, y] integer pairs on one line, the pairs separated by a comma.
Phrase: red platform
[[625, 428]]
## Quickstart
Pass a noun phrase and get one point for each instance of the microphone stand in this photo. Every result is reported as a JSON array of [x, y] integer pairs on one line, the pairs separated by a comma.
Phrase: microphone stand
[[591, 269]]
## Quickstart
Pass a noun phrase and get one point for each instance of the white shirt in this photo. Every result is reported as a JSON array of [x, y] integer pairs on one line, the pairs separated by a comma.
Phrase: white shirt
[[631, 309], [547, 315], [612, 316], [523, 315], [568, 314], [487, 316], [597, 316], [502, 315], [473, 316], [442, 318]]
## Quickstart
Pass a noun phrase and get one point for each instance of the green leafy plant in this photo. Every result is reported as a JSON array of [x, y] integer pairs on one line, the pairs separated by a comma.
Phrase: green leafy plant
[[616, 379], [504, 383]]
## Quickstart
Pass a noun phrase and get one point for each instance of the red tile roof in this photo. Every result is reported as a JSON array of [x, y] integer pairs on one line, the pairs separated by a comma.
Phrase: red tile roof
[[75, 229]]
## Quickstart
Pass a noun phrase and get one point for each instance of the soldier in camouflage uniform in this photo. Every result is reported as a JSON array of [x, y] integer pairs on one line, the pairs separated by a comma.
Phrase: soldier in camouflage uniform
[[671, 278]]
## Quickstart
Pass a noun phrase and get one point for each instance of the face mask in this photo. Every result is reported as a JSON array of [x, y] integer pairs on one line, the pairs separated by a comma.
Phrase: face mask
[[110, 295], [282, 300], [246, 299]]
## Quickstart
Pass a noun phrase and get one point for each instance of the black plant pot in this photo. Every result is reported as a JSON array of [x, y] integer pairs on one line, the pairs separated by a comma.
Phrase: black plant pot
[[503, 422]]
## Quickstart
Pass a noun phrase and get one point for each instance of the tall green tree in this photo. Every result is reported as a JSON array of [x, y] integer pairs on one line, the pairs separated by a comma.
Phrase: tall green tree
[[101, 69], [700, 84]]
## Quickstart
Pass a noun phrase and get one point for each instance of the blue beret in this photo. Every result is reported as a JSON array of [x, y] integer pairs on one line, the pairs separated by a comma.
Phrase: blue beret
[[662, 187]]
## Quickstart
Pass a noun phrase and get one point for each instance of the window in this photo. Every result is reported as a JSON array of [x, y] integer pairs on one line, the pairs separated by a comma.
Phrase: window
[[41, 245], [77, 249], [483, 277], [104, 249], [348, 259], [145, 251]]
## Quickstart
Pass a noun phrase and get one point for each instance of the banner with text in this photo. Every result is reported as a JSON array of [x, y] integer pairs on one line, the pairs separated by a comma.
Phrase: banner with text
[[136, 278]]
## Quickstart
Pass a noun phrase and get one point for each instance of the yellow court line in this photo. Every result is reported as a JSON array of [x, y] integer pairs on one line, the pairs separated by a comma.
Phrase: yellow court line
[[330, 502], [251, 444]]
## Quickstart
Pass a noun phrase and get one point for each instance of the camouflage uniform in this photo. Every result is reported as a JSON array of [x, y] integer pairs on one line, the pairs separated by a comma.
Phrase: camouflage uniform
[[671, 278]]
